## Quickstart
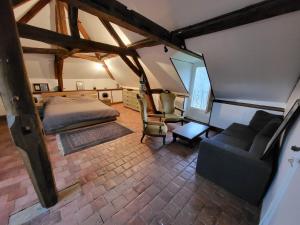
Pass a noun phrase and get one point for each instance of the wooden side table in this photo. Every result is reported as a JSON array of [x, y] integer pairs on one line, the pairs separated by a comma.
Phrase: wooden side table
[[190, 132]]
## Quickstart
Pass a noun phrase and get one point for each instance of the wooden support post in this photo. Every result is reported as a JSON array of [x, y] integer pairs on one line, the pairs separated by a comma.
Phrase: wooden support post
[[139, 71], [22, 117], [58, 67], [140, 67]]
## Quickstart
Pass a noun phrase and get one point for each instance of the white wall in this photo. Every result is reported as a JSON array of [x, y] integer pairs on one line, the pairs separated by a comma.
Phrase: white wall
[[286, 211], [223, 115], [40, 69]]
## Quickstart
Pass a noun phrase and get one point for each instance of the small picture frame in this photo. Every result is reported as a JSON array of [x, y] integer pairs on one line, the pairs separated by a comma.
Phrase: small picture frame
[[41, 87], [44, 87], [37, 87], [79, 85]]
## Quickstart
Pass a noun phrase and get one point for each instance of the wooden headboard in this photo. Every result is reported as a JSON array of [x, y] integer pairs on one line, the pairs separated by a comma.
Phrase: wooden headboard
[[93, 94]]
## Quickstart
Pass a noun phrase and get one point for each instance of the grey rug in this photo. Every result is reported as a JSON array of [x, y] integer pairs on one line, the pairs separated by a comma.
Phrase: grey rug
[[82, 138]]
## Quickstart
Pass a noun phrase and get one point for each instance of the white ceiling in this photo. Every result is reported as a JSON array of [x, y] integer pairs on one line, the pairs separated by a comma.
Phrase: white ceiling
[[159, 63], [258, 61], [174, 14]]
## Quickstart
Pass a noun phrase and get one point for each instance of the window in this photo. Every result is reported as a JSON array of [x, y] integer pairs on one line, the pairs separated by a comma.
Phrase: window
[[201, 89]]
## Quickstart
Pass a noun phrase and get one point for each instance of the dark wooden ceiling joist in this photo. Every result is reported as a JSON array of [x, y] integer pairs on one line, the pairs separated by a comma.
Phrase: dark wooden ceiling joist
[[73, 21], [86, 57], [143, 43], [31, 50], [113, 11], [68, 42], [33, 11], [256, 12], [112, 32], [131, 65]]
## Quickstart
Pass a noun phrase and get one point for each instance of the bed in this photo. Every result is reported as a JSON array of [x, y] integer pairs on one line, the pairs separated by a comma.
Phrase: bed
[[65, 113]]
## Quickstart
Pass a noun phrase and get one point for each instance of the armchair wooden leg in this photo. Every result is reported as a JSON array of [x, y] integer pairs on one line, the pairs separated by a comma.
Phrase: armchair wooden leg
[[142, 138], [164, 140], [181, 122]]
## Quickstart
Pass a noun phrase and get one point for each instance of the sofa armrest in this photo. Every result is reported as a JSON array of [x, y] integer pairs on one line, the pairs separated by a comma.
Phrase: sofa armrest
[[234, 169]]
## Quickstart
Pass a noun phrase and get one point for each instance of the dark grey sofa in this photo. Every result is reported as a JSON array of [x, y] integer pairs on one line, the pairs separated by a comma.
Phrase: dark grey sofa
[[234, 158]]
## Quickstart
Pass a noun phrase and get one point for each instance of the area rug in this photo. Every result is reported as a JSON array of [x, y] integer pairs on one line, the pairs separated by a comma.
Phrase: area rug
[[82, 138]]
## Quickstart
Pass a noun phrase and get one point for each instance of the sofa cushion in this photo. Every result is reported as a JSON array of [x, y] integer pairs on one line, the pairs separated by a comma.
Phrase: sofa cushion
[[271, 127], [261, 119], [242, 143], [258, 146], [240, 131], [263, 137]]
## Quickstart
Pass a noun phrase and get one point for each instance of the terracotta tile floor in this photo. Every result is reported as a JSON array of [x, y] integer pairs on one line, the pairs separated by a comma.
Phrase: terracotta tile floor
[[123, 182]]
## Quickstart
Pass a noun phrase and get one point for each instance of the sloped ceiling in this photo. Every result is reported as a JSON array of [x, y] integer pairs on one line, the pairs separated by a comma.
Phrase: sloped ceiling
[[122, 73], [174, 14], [258, 61], [159, 63]]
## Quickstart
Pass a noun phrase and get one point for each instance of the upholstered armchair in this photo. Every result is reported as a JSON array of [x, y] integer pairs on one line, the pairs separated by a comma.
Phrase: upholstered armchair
[[168, 108], [151, 128]]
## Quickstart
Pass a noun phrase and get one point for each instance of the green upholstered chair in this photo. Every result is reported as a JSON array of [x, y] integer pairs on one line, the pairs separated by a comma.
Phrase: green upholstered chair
[[168, 108], [151, 128]]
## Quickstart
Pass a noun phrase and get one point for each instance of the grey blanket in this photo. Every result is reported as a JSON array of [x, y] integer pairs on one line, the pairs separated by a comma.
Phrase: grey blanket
[[61, 112]]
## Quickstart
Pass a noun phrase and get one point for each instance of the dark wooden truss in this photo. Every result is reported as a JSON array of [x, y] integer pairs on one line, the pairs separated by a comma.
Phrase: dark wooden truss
[[256, 12]]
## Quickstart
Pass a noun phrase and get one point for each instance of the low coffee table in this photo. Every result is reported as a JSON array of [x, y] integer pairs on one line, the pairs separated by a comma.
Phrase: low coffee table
[[190, 132]]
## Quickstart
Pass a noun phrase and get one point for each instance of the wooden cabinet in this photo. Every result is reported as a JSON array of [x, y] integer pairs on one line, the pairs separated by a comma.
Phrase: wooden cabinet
[[130, 99], [117, 96]]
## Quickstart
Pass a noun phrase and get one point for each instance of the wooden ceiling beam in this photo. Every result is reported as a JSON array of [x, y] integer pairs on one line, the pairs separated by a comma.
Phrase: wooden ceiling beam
[[73, 21], [83, 31], [107, 56], [143, 43], [85, 34], [54, 51], [86, 57], [256, 12], [137, 69], [61, 22], [68, 42], [112, 32], [131, 65], [33, 11], [113, 11], [70, 53]]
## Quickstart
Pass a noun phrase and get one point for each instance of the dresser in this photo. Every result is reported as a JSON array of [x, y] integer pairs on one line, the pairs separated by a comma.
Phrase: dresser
[[130, 99]]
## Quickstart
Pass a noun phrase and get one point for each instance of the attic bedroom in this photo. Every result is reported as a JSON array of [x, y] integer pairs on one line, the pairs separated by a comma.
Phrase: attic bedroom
[[149, 112]]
